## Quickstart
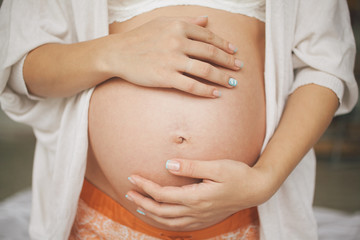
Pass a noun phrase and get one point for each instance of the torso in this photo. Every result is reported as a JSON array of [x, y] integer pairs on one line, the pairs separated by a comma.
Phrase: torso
[[134, 130]]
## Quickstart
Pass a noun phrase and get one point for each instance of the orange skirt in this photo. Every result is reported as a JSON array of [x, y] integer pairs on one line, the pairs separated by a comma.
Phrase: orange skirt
[[100, 217]]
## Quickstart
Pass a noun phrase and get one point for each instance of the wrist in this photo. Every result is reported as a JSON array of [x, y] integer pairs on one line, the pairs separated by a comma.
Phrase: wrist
[[270, 179], [112, 61], [103, 63]]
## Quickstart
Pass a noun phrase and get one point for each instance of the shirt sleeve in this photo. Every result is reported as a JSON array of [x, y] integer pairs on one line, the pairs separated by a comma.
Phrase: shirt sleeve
[[24, 26], [16, 80], [324, 50]]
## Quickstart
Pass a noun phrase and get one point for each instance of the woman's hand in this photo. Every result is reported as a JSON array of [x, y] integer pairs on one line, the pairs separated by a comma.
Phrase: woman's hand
[[227, 186], [165, 52], [172, 53]]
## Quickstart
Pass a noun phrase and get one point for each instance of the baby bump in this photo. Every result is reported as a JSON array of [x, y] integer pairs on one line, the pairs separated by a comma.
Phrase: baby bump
[[135, 130]]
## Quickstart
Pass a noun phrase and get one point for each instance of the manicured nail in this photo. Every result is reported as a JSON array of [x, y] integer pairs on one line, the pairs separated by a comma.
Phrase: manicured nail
[[129, 198], [131, 180], [239, 64], [217, 93], [141, 212], [172, 165], [233, 48], [232, 82]]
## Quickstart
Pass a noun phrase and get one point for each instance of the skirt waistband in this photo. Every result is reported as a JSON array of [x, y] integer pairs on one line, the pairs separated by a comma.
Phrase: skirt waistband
[[105, 205]]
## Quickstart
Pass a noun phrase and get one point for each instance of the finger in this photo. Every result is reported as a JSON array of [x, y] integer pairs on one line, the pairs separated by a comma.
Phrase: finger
[[192, 86], [167, 194], [210, 170], [202, 34], [201, 20], [210, 53], [176, 224], [208, 72], [159, 209]]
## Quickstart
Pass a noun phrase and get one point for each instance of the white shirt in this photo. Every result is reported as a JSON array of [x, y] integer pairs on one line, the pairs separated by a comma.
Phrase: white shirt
[[121, 10], [314, 38]]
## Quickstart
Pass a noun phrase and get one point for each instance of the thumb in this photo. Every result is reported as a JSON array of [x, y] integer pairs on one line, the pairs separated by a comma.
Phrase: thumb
[[194, 168]]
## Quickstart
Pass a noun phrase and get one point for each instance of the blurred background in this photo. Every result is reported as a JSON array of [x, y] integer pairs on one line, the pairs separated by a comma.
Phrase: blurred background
[[338, 152]]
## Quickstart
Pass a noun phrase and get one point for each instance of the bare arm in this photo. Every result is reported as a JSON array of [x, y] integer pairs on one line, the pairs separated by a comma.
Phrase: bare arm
[[149, 55], [307, 115], [61, 70]]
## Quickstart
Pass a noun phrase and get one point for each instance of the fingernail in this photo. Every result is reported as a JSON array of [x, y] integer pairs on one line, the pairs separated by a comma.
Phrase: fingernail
[[172, 165], [233, 48], [232, 82], [140, 211], [204, 16], [217, 93], [239, 64], [131, 180], [129, 198]]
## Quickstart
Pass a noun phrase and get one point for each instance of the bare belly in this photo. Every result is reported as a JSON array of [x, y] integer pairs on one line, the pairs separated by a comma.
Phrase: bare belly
[[134, 130]]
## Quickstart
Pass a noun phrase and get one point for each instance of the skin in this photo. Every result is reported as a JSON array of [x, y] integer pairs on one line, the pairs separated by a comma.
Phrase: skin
[[211, 128], [311, 107], [53, 70], [308, 113]]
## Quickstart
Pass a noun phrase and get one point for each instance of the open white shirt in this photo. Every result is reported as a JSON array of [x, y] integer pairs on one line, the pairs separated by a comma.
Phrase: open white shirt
[[306, 42]]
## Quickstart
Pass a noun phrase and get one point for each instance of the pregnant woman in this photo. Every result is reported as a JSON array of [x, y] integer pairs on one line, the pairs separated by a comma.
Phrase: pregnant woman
[[170, 85], [160, 124]]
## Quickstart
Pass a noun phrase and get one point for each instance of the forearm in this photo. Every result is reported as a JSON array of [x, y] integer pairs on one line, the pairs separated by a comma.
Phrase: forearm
[[60, 70], [308, 113]]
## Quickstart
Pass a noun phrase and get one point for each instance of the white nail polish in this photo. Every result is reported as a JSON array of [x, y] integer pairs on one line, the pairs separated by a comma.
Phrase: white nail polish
[[172, 165], [233, 48], [239, 64], [131, 180], [129, 198], [217, 93]]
